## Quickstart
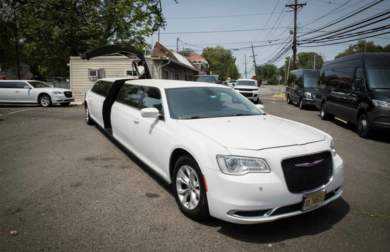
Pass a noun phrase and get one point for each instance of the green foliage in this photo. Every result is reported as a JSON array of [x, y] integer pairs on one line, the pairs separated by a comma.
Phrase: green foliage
[[363, 46], [267, 72], [221, 62], [50, 31]]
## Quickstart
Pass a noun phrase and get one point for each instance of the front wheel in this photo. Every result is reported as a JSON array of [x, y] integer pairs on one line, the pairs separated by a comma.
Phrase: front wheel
[[300, 104], [324, 112], [363, 127], [189, 189], [44, 100], [288, 99]]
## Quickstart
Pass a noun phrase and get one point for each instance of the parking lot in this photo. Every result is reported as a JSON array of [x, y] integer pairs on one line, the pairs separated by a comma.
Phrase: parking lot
[[66, 186]]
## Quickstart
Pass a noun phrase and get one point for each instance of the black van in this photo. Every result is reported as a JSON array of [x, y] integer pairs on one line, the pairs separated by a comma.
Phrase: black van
[[302, 86], [356, 89]]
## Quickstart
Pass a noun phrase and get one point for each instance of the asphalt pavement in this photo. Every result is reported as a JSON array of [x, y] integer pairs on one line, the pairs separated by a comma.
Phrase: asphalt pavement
[[65, 186]]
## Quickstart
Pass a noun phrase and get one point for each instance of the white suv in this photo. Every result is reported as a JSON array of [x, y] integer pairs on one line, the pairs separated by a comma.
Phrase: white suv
[[32, 91], [249, 89], [221, 153]]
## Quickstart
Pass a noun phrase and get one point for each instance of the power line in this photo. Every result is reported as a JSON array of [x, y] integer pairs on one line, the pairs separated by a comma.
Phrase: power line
[[219, 31], [352, 27], [344, 18], [346, 41], [222, 16]]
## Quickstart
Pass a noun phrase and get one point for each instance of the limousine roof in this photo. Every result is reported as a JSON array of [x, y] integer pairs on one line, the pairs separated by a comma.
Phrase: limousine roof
[[172, 83], [358, 56]]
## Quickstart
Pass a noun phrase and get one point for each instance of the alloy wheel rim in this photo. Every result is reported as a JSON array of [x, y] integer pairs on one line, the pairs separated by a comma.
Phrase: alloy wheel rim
[[86, 114], [45, 101], [363, 124], [188, 187]]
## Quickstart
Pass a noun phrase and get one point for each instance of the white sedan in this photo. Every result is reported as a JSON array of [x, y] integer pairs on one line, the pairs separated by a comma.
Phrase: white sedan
[[32, 91], [222, 154]]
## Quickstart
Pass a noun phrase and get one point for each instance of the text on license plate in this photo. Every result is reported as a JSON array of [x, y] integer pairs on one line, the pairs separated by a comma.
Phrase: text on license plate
[[313, 200]]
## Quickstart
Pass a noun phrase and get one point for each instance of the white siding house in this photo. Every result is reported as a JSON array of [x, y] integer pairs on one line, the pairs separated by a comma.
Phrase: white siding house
[[84, 73]]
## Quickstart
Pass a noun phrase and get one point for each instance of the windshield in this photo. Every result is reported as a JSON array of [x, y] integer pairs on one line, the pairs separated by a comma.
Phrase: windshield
[[207, 78], [246, 83], [379, 77], [311, 79], [38, 84], [208, 102]]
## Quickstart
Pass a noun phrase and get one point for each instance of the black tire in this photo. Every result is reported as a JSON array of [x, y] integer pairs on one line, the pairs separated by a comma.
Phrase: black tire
[[88, 119], [324, 112], [300, 104], [201, 211], [44, 100], [288, 99], [363, 126]]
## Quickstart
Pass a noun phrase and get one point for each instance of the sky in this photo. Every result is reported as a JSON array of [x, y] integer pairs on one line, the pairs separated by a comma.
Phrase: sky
[[263, 21]]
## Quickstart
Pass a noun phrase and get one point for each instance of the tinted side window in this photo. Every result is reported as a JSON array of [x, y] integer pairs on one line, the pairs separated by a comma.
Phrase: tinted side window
[[10, 84], [152, 98], [130, 95], [102, 88]]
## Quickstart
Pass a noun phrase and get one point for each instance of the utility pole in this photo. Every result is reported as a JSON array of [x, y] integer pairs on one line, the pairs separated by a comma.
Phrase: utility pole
[[254, 57], [177, 44], [246, 73], [296, 6], [158, 34]]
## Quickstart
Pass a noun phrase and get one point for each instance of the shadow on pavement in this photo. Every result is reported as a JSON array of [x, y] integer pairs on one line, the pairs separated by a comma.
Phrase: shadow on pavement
[[310, 223]]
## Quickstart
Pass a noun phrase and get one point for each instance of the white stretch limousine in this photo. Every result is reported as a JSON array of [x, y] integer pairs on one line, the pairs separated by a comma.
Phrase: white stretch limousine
[[32, 91], [222, 154]]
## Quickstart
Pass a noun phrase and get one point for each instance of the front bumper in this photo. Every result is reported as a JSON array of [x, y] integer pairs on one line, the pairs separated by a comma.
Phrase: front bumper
[[254, 96], [380, 118], [61, 99], [263, 197]]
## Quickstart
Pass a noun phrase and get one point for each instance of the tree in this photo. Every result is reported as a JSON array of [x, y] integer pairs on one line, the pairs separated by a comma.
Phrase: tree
[[362, 46], [267, 72], [49, 31], [221, 62]]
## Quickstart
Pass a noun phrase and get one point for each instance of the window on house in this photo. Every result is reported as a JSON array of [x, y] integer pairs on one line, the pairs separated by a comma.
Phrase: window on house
[[94, 74]]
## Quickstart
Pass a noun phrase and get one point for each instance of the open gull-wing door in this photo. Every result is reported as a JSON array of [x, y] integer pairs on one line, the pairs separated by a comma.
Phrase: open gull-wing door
[[138, 63], [131, 52]]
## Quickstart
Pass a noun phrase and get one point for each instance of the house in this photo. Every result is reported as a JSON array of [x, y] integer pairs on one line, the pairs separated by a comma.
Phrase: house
[[163, 63], [168, 64], [198, 61]]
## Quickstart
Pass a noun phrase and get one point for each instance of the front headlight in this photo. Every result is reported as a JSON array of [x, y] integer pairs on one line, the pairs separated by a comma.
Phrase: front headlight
[[57, 92], [332, 147], [308, 95], [381, 104], [235, 165]]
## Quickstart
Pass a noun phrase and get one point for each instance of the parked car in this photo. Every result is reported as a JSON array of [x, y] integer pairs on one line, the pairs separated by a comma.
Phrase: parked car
[[357, 89], [302, 86], [248, 88], [207, 78], [222, 154], [32, 91]]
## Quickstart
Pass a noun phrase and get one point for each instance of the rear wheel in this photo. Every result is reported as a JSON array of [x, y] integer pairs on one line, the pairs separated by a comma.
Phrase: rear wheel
[[363, 127], [88, 119], [189, 189], [44, 100], [324, 112]]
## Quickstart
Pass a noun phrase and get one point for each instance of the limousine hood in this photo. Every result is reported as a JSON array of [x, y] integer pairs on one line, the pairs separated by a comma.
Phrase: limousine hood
[[254, 132]]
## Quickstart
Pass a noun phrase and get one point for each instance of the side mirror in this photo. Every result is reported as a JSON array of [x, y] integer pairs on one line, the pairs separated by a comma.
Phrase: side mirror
[[260, 107], [150, 113]]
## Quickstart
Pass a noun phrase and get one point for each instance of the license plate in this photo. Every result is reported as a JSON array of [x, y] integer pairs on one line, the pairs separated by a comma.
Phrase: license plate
[[313, 200]]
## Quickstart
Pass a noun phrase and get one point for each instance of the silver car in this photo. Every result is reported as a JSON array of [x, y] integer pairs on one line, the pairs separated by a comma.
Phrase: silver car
[[32, 91]]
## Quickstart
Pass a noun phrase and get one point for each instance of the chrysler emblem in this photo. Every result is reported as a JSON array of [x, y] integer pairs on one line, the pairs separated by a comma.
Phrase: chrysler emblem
[[309, 164]]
